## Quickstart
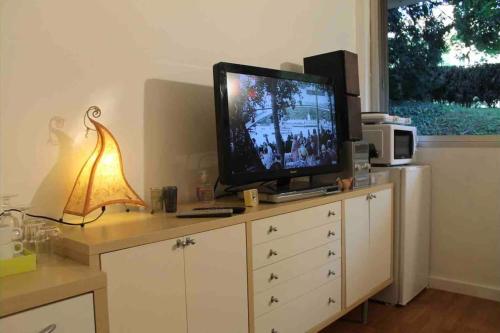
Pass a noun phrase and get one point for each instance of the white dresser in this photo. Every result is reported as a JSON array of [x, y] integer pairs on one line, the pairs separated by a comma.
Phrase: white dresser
[[287, 268], [297, 269], [311, 266]]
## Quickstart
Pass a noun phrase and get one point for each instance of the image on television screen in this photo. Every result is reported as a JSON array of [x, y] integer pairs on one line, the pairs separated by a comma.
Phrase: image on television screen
[[279, 123]]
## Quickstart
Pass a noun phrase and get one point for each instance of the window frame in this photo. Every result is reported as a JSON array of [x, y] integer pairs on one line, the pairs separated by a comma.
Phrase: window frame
[[380, 82]]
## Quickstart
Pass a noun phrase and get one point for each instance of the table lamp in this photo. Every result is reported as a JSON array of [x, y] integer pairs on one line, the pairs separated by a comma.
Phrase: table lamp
[[101, 181]]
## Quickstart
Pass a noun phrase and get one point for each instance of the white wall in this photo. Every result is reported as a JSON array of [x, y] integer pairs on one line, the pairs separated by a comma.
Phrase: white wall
[[58, 57], [465, 240]]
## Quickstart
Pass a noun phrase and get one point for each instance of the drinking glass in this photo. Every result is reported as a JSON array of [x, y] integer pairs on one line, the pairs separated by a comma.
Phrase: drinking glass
[[30, 229], [46, 238], [7, 216]]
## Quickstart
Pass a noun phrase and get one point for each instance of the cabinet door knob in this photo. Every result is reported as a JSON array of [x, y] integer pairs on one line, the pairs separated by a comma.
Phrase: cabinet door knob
[[331, 213], [331, 301], [369, 196], [49, 329], [331, 233], [331, 253], [273, 277], [274, 331], [190, 241], [331, 273], [373, 196], [273, 300], [272, 253], [180, 243], [272, 229]]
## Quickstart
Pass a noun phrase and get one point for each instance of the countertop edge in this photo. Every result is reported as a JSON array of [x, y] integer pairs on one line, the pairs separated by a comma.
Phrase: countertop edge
[[89, 249]]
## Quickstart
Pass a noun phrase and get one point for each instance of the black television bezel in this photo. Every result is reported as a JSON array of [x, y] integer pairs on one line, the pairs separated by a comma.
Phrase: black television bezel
[[220, 71]]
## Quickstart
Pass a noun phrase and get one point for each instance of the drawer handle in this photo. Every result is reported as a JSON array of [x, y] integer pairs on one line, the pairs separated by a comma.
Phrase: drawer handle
[[331, 253], [331, 213], [331, 301], [272, 229], [273, 300], [331, 273], [180, 243], [49, 329], [272, 253], [331, 233], [190, 241], [273, 277]]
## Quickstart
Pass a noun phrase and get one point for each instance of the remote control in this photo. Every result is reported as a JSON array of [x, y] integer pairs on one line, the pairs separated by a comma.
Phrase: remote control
[[206, 213], [236, 209]]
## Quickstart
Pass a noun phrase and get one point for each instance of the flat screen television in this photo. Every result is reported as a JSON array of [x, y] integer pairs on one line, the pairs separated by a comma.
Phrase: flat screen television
[[273, 125]]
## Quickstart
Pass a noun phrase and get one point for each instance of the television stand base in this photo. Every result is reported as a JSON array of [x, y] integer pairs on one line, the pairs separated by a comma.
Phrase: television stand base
[[294, 191]]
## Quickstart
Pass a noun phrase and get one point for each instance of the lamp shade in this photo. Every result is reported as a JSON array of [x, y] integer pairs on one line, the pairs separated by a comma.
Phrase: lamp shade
[[101, 180]]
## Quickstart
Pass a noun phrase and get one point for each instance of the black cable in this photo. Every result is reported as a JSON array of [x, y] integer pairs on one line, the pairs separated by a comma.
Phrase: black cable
[[103, 209], [216, 183]]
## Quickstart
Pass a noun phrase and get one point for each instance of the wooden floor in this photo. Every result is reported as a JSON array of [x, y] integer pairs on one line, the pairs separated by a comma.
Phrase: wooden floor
[[433, 311]]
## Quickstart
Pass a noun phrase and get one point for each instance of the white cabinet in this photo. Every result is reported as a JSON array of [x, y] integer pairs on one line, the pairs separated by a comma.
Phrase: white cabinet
[[216, 281], [368, 243], [381, 237], [146, 288], [75, 315], [193, 284]]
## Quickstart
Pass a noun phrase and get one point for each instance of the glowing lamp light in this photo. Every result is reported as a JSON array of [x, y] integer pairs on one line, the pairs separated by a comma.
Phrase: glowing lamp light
[[101, 180]]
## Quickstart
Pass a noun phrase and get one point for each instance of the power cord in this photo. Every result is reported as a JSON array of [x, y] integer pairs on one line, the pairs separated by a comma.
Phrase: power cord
[[82, 224]]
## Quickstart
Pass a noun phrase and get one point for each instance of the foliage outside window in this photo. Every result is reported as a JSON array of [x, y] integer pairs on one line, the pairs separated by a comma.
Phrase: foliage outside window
[[444, 66]]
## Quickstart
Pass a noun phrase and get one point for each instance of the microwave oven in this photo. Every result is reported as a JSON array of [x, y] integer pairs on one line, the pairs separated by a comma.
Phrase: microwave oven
[[395, 144]]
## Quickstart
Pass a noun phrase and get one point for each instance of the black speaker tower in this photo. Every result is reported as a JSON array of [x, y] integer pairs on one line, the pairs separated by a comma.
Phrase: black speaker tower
[[342, 67]]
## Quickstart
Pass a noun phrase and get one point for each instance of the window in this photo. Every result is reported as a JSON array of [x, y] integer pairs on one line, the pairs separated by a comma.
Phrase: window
[[444, 65]]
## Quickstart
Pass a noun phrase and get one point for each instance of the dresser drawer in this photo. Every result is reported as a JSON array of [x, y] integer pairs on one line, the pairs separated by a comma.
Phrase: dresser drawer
[[283, 225], [75, 315], [282, 248], [303, 313], [271, 275], [328, 306], [283, 293]]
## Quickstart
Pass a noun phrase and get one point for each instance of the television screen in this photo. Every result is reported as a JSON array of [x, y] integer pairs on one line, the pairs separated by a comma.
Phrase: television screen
[[278, 123]]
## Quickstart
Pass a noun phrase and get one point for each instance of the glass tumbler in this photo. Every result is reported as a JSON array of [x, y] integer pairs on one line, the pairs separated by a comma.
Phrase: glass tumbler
[[9, 219], [46, 239], [30, 230]]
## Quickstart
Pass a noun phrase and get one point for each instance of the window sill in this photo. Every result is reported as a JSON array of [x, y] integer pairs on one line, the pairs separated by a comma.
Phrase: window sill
[[459, 141]]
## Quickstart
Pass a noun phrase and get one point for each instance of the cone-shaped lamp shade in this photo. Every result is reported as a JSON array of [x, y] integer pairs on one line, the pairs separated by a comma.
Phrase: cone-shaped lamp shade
[[101, 181]]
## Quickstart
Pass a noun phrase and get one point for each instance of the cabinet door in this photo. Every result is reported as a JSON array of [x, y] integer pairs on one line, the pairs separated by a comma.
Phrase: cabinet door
[[146, 289], [75, 315], [380, 237], [216, 281], [357, 248]]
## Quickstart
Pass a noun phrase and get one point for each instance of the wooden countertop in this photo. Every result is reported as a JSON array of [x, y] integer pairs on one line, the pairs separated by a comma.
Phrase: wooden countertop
[[56, 278], [123, 230]]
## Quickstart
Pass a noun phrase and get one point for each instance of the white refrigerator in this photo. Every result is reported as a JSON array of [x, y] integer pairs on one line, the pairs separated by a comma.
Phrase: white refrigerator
[[412, 212]]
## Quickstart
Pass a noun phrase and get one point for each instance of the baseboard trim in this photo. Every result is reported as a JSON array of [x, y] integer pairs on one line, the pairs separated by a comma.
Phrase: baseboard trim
[[465, 288]]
